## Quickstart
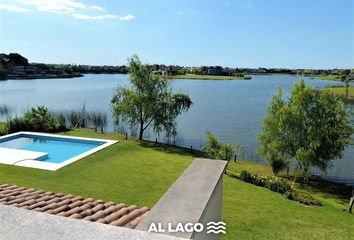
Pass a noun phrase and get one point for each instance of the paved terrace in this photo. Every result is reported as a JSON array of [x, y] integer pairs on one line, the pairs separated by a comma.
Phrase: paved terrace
[[20, 224]]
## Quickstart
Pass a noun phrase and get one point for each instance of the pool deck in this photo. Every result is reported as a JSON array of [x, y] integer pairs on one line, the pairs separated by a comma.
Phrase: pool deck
[[24, 158], [12, 156]]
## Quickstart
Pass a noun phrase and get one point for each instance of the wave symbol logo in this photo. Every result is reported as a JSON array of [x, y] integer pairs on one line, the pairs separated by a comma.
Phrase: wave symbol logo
[[216, 227]]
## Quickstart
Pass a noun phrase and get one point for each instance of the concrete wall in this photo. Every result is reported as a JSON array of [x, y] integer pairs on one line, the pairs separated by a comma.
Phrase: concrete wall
[[212, 212], [195, 197]]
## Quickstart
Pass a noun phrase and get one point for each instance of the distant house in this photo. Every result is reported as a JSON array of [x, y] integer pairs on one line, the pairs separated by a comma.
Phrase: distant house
[[23, 70], [215, 70], [335, 71]]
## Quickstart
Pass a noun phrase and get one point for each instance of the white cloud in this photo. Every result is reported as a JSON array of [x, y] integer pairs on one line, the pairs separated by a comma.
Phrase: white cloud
[[13, 8], [87, 17], [72, 8], [55, 6], [127, 17], [97, 8]]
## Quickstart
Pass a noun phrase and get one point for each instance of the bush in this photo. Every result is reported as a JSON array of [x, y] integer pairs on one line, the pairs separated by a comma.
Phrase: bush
[[246, 176], [37, 120], [302, 198], [216, 150], [279, 185], [277, 164]]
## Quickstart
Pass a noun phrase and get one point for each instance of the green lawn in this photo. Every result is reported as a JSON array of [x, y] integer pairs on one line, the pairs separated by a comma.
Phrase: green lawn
[[205, 77], [136, 173], [332, 77], [341, 91], [125, 172]]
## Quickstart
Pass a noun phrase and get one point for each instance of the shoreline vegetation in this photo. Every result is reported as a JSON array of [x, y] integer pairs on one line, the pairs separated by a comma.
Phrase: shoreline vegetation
[[13, 66], [207, 77], [43, 76]]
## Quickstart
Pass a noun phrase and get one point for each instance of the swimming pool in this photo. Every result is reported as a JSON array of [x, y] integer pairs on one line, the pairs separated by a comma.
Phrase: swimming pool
[[47, 151]]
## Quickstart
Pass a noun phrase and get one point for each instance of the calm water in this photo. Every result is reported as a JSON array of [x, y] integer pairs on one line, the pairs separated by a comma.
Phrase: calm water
[[232, 110], [58, 149]]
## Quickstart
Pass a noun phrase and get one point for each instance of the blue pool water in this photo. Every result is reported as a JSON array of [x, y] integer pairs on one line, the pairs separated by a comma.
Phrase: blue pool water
[[58, 149]]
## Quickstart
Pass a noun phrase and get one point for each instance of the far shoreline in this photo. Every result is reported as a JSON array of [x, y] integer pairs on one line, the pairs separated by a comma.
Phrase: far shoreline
[[207, 77]]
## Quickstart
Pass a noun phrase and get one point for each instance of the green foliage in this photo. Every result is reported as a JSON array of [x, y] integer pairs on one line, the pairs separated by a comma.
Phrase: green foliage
[[345, 78], [305, 199], [98, 120], [275, 184], [37, 120], [212, 147], [12, 59], [82, 118], [216, 150], [277, 163], [312, 127], [279, 185], [149, 101]]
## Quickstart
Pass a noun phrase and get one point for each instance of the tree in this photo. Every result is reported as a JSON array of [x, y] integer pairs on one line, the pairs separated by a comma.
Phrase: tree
[[216, 150], [312, 127], [149, 101], [345, 78]]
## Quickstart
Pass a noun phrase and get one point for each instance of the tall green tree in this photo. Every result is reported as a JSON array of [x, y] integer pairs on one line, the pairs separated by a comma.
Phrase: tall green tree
[[312, 127], [149, 101]]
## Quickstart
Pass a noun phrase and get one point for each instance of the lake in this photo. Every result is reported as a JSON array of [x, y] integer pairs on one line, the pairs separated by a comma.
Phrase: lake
[[232, 110]]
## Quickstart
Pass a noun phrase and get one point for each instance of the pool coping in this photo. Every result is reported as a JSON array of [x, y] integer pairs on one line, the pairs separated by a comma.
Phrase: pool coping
[[55, 166]]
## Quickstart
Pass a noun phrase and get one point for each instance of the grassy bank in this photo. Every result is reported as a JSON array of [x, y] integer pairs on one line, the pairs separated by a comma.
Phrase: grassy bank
[[204, 77], [331, 77], [140, 173], [341, 91]]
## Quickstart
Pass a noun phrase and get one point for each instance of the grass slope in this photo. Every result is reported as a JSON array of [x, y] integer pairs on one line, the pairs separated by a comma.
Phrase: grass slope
[[136, 173], [341, 91], [253, 212], [125, 172]]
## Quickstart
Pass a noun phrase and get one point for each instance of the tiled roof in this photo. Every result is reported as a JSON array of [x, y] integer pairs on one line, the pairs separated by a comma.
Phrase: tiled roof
[[72, 206]]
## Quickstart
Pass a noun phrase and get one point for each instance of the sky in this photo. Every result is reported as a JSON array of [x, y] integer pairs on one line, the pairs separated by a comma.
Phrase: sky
[[234, 33]]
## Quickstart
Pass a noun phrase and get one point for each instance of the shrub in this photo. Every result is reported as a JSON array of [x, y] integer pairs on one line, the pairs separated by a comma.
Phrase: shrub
[[302, 198], [37, 120], [216, 150], [226, 152], [277, 164], [246, 176], [279, 185]]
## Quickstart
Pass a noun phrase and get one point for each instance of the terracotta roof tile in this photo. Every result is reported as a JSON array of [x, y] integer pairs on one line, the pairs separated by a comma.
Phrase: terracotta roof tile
[[72, 206]]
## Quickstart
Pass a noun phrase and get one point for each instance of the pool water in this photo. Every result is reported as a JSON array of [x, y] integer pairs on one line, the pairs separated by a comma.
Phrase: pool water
[[58, 149]]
